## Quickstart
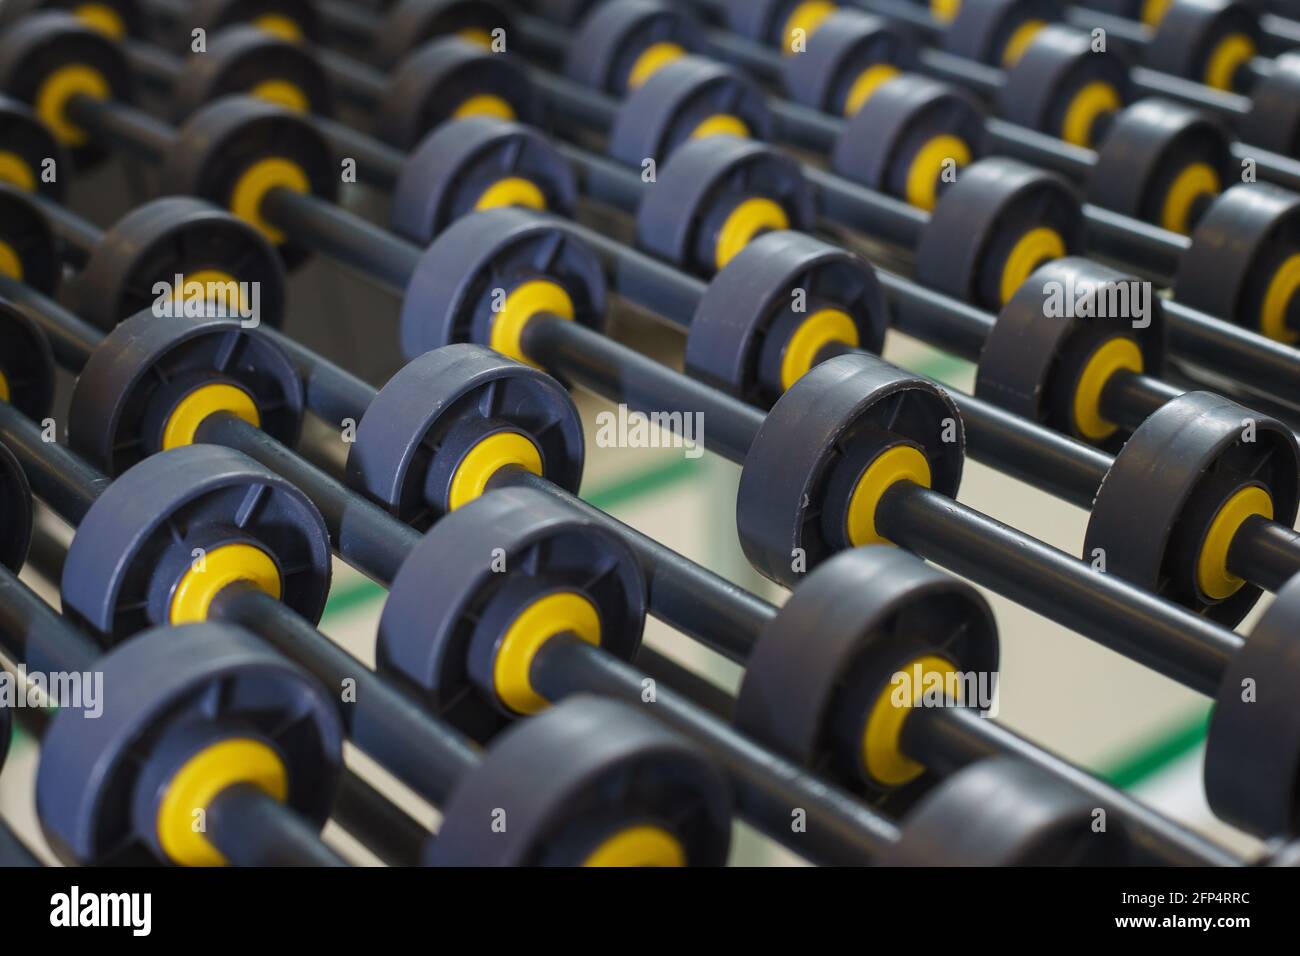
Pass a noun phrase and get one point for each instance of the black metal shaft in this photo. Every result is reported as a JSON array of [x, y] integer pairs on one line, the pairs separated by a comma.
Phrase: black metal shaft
[[1265, 553], [333, 394], [61, 479], [378, 164], [947, 739], [374, 253], [428, 755], [72, 339], [840, 829], [251, 828], [79, 236], [687, 597], [583, 356], [363, 534], [126, 127], [359, 85], [385, 829], [34, 634], [1129, 620]]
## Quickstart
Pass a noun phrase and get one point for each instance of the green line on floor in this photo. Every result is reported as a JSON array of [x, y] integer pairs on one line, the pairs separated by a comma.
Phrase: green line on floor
[[638, 486], [1145, 762]]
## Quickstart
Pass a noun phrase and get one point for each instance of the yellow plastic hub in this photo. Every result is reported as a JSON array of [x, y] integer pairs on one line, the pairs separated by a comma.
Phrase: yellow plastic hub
[[1194, 182], [1034, 248], [868, 81], [532, 298], [1278, 298], [1153, 11], [1212, 574], [922, 186], [744, 224], [273, 172], [882, 749], [1113, 355], [477, 36], [51, 100], [721, 124], [282, 93], [817, 331], [945, 11], [280, 26], [1228, 57], [806, 18], [899, 463], [10, 264], [1020, 39], [511, 191], [15, 171], [639, 846], [484, 104], [219, 569], [485, 459], [206, 400], [653, 59], [205, 279], [1093, 101], [215, 768], [101, 17], [4, 387], [564, 612]]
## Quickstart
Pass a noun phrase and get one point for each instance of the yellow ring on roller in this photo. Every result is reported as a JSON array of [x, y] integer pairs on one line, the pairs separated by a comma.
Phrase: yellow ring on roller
[[205, 278], [744, 224], [1153, 11], [525, 301], [945, 11], [511, 191], [215, 768], [221, 567], [1113, 355], [1032, 249], [476, 35], [485, 459], [1020, 39], [651, 60], [639, 846], [1227, 58], [15, 171], [485, 104], [1196, 180], [4, 387], [1093, 100], [559, 613], [807, 16], [62, 85], [815, 333], [1280, 294], [282, 93], [882, 750], [721, 124], [207, 400], [279, 26], [274, 172], [922, 187], [101, 17], [899, 463], [10, 264], [1212, 574], [868, 81]]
